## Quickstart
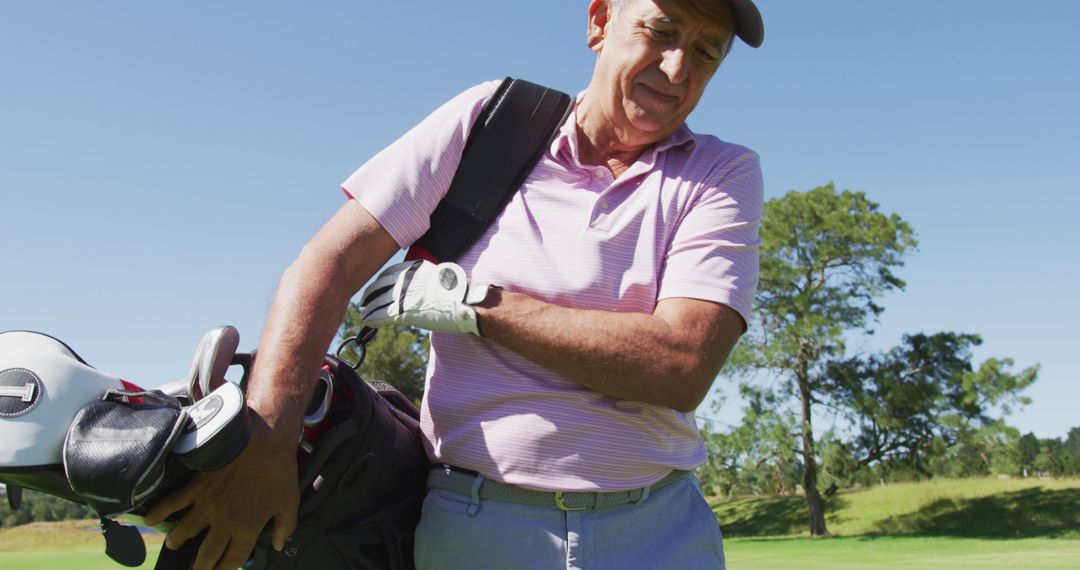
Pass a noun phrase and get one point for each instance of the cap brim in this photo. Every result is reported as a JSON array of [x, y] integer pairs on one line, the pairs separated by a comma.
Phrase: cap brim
[[748, 24]]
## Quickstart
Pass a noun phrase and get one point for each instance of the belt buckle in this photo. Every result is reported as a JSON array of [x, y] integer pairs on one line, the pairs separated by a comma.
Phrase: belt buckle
[[563, 506]]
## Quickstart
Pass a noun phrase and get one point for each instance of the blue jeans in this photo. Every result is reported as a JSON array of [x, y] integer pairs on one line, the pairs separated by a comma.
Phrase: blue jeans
[[673, 527]]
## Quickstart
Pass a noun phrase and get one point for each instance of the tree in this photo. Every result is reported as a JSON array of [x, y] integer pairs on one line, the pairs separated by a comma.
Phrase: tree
[[397, 355], [826, 258], [1029, 451], [757, 457], [1004, 451], [1054, 458], [38, 506], [1070, 452], [900, 402]]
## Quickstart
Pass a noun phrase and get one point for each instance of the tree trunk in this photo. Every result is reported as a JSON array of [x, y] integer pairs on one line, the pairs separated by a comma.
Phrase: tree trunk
[[814, 504]]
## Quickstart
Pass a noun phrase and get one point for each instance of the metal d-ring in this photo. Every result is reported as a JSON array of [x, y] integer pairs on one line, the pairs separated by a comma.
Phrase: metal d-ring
[[360, 349], [360, 340]]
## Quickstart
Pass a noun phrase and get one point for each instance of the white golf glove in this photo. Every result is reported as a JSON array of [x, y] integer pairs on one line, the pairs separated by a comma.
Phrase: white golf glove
[[424, 295]]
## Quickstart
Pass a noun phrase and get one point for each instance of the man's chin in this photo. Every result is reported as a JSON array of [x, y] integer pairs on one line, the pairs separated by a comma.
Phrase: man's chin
[[648, 117], [654, 128]]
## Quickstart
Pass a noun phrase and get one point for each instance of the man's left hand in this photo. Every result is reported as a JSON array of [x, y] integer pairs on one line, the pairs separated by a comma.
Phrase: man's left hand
[[424, 295]]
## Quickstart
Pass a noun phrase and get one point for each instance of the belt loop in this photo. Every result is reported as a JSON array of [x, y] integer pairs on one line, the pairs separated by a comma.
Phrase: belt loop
[[644, 495], [474, 495]]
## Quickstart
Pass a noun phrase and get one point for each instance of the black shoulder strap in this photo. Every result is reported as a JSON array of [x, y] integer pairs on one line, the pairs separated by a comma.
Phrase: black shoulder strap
[[508, 139]]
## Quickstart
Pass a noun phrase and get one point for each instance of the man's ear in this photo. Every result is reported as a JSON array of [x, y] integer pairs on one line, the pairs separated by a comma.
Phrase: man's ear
[[599, 17]]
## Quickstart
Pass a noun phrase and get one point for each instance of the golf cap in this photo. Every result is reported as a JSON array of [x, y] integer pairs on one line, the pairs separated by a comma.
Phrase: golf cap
[[748, 24]]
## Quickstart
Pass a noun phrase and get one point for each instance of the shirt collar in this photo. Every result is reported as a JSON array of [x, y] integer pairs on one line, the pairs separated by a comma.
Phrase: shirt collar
[[565, 144]]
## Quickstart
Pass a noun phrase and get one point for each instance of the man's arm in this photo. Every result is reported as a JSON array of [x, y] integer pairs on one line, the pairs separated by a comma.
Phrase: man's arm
[[237, 501], [668, 358]]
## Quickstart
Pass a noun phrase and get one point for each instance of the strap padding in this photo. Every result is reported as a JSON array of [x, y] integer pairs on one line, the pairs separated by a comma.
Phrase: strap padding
[[511, 134]]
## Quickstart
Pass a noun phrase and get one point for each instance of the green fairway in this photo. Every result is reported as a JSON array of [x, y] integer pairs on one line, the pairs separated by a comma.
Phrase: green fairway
[[751, 554], [62, 545], [902, 553], [883, 553], [82, 558]]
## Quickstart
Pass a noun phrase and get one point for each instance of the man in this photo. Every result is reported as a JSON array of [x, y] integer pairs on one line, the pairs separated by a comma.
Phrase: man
[[625, 268]]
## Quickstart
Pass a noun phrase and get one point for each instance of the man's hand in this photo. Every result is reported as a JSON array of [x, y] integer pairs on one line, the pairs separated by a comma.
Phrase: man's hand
[[236, 502], [424, 295]]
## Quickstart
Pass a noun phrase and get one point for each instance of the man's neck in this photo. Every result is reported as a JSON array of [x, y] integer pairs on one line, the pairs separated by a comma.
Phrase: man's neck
[[600, 142]]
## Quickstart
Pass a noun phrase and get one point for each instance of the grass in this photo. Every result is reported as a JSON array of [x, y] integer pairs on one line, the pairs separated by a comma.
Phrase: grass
[[906, 553], [970, 508], [884, 553], [63, 545], [948, 524]]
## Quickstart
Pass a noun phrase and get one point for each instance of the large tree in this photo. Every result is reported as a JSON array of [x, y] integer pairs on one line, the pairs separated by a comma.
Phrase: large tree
[[826, 259]]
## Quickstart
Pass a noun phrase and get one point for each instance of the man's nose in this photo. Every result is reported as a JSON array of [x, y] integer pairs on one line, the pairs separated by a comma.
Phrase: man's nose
[[674, 64]]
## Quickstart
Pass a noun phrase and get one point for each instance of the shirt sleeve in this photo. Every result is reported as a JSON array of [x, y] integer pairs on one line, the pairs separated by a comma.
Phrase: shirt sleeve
[[401, 185], [714, 252]]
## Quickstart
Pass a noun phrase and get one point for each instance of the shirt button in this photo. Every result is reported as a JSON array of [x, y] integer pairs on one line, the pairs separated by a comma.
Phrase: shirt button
[[599, 172], [604, 205]]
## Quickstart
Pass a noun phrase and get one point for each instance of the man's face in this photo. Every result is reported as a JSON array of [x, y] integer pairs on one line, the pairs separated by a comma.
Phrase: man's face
[[654, 59]]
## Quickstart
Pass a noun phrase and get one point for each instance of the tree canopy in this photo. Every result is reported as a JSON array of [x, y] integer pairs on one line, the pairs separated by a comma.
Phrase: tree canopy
[[901, 401]]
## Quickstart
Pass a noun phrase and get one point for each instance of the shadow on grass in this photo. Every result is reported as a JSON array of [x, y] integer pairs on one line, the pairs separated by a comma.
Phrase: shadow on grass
[[775, 516], [1034, 512]]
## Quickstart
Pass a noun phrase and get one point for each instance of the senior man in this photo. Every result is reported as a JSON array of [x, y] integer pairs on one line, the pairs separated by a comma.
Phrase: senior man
[[625, 267]]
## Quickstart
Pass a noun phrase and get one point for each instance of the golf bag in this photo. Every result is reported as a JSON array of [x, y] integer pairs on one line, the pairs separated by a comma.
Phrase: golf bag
[[75, 432]]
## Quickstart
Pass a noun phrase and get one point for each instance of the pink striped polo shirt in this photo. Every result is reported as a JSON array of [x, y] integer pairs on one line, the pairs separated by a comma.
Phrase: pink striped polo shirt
[[681, 222]]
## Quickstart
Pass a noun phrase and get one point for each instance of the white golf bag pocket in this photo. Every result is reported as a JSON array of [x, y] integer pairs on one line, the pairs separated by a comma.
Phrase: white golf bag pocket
[[43, 385]]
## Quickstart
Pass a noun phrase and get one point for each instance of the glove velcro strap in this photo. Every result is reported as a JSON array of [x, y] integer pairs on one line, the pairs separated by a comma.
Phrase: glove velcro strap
[[115, 450], [477, 293]]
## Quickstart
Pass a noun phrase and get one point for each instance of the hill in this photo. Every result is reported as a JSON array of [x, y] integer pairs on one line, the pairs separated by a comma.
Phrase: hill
[[972, 508]]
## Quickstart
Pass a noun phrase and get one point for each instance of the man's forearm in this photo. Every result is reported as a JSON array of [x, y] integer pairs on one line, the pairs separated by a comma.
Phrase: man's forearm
[[307, 310], [668, 358], [308, 307]]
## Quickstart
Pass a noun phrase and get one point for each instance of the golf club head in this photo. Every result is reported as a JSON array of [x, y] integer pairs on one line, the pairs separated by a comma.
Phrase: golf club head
[[217, 431], [177, 389], [213, 356]]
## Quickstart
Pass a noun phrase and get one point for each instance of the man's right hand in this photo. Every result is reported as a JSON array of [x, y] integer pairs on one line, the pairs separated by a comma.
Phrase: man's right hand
[[237, 502]]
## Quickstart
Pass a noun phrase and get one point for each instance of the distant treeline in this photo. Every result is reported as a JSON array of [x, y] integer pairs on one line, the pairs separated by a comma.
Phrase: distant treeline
[[996, 450], [1050, 456], [39, 507]]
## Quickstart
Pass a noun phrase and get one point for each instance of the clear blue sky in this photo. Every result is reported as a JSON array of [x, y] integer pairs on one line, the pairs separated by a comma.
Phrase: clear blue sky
[[161, 163]]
